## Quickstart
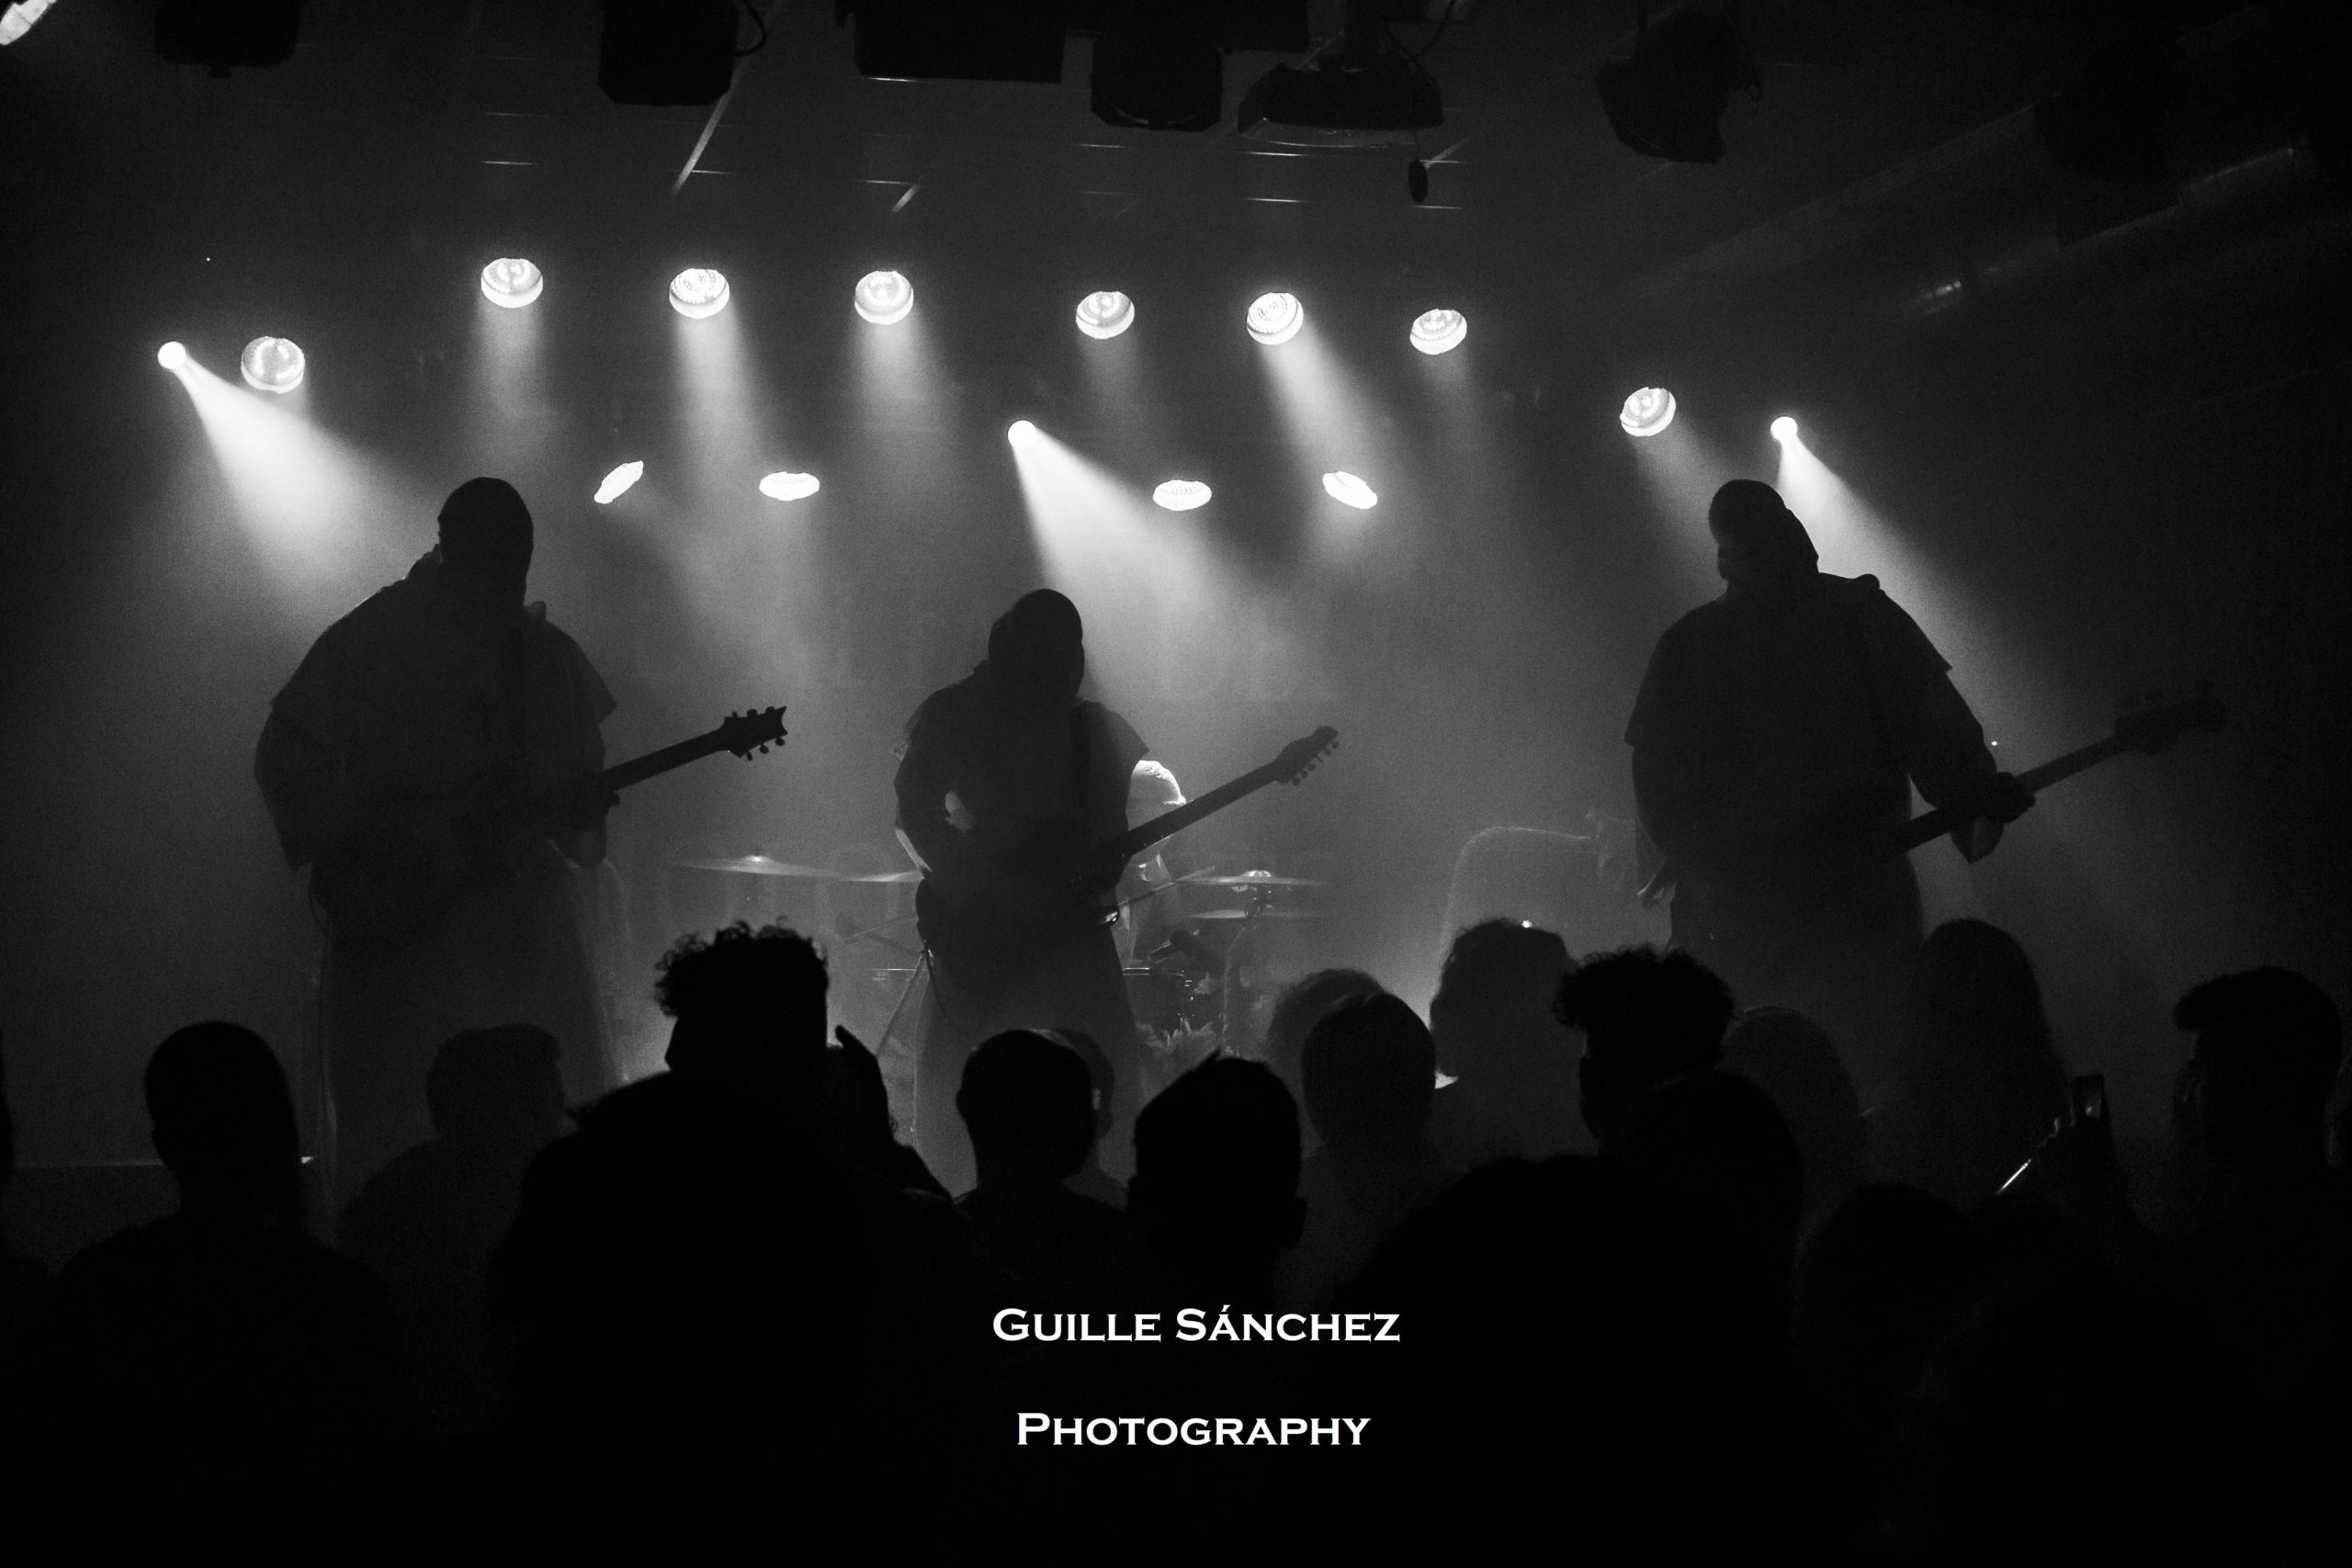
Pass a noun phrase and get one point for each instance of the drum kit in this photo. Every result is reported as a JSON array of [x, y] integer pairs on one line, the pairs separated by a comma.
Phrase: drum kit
[[1179, 988]]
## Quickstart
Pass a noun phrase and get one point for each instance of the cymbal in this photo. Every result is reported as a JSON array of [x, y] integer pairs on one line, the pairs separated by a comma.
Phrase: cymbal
[[1256, 879], [879, 876], [760, 866], [1258, 915]]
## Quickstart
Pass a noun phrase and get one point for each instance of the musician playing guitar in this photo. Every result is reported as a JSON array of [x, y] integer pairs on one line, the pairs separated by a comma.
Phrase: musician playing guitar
[[1778, 733], [444, 687], [1001, 777]]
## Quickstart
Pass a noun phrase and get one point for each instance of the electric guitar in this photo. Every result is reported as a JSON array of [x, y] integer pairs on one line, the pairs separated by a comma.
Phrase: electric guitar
[[396, 878], [2145, 729], [1057, 886]]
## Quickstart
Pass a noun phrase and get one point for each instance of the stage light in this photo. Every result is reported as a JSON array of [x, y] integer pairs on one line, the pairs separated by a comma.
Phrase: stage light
[[272, 364], [669, 51], [172, 355], [226, 33], [1181, 495], [19, 19], [884, 297], [1106, 314], [1161, 67], [698, 292], [1784, 429], [1359, 90], [1647, 412], [974, 40], [789, 487], [616, 483], [1276, 318], [512, 282], [1434, 331], [1022, 434], [1350, 491], [1668, 100]]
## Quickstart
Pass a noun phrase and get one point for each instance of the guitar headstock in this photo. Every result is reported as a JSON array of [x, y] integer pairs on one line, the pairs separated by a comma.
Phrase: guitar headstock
[[1298, 758], [2155, 724], [750, 734]]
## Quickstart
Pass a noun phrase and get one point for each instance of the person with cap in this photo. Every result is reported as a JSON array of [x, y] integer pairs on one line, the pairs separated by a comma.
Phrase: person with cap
[[1778, 727], [1004, 779], [391, 765]]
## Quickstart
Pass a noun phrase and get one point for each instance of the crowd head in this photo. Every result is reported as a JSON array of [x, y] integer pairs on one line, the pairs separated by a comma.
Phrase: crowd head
[[2267, 1046], [1028, 1103], [1647, 1018], [750, 1010], [1368, 1069]]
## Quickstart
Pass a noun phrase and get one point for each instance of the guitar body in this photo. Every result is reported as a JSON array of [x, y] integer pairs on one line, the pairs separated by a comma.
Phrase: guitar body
[[1049, 892], [398, 888], [1056, 886], [396, 880]]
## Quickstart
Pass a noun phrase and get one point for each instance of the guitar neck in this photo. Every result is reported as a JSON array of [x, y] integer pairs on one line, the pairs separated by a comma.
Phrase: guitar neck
[[1137, 839], [1933, 825], [639, 769]]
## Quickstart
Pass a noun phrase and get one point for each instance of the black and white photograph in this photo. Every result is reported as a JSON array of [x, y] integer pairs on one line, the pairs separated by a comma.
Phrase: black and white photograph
[[1176, 780]]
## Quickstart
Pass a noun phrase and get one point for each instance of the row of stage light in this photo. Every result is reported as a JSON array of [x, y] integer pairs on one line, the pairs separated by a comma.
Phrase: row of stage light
[[886, 298], [1175, 495]]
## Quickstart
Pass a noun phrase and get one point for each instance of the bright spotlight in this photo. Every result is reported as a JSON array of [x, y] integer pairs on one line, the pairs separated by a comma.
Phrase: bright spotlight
[[1784, 429], [1022, 434], [19, 19], [172, 355], [1350, 491], [1434, 331], [616, 483], [698, 292], [1181, 495], [1276, 318], [884, 298], [512, 282], [1647, 412], [272, 364], [789, 487], [1106, 314]]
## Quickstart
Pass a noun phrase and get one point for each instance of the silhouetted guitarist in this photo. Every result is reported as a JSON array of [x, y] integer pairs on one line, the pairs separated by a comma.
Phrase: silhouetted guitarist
[[1003, 776], [1778, 728], [444, 687]]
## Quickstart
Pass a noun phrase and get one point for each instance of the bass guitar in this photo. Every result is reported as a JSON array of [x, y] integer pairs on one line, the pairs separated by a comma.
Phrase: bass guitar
[[2147, 730], [1058, 886], [395, 879]]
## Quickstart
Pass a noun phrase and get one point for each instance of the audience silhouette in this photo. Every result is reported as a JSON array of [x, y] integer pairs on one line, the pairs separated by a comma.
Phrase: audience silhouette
[[213, 1380], [853, 1111], [1718, 1155], [730, 1309], [1090, 1179], [1302, 1003], [1647, 1018], [1368, 1069], [1028, 1104], [2264, 1286], [1978, 1083], [1795, 1063], [429, 1221], [698, 1262], [1512, 1061]]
